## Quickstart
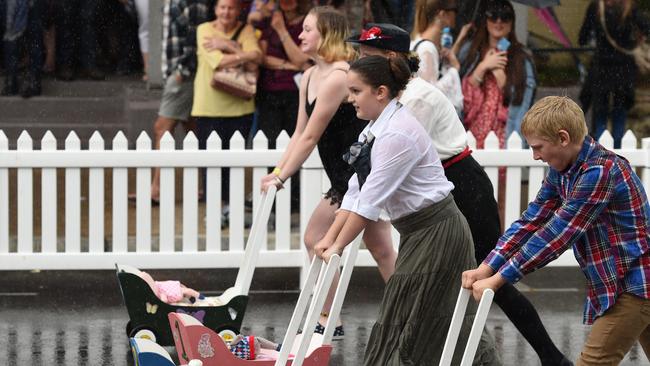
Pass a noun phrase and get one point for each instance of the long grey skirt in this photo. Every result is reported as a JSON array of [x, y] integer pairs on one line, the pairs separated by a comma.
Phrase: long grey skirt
[[435, 248]]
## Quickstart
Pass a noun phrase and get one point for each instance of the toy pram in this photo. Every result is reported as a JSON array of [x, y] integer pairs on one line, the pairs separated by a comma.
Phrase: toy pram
[[148, 313], [196, 342]]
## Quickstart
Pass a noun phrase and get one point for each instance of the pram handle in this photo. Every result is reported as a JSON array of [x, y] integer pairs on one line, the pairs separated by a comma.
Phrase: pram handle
[[316, 304], [457, 322]]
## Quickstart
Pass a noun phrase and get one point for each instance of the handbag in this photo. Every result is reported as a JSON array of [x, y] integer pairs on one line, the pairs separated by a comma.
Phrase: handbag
[[236, 80], [641, 53]]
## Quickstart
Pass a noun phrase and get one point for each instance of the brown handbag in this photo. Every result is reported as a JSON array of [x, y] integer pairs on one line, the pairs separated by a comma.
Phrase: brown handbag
[[236, 80]]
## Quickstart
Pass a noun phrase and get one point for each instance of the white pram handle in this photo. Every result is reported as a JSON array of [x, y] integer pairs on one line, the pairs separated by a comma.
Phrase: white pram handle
[[457, 322]]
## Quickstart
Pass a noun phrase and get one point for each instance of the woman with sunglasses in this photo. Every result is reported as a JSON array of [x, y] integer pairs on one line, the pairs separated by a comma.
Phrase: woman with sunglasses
[[499, 82], [431, 18]]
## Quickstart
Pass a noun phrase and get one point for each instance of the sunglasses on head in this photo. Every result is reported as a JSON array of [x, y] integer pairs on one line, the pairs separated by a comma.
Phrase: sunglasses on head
[[505, 15]]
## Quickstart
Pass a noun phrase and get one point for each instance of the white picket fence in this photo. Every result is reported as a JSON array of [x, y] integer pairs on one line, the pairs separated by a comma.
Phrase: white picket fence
[[215, 247]]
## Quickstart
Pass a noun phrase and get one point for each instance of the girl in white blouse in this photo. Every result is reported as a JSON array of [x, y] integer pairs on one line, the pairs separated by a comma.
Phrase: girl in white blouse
[[404, 176], [431, 17]]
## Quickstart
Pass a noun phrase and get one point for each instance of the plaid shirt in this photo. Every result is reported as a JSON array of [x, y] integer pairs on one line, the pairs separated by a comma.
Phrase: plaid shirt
[[180, 19], [599, 207]]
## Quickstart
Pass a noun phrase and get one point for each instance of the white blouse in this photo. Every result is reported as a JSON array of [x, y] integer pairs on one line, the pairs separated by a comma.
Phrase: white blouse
[[437, 116], [449, 82], [406, 174]]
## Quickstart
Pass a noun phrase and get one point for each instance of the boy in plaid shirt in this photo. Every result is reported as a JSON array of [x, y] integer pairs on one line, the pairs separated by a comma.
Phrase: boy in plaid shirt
[[590, 200]]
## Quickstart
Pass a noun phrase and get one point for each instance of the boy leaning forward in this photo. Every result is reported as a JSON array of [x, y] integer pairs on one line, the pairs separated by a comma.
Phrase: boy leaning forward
[[593, 201]]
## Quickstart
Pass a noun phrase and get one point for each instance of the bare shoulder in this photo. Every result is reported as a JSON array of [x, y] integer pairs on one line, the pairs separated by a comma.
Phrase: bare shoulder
[[305, 77], [334, 82], [341, 65]]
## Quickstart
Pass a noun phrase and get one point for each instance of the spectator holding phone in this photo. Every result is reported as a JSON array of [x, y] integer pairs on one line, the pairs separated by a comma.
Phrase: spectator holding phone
[[499, 84]]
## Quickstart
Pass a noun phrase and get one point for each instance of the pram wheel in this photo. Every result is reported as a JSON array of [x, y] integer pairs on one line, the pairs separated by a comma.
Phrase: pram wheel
[[143, 332], [129, 328], [227, 335]]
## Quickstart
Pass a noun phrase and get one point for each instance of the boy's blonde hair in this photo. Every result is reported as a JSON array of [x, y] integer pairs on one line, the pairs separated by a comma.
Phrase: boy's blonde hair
[[550, 115], [333, 28]]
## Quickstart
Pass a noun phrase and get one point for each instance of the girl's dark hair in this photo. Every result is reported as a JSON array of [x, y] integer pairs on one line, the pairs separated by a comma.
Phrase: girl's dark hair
[[411, 59], [516, 69], [392, 72]]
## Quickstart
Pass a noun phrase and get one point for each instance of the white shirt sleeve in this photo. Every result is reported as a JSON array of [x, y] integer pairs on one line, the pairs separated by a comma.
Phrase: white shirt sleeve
[[352, 194], [429, 61], [449, 84]]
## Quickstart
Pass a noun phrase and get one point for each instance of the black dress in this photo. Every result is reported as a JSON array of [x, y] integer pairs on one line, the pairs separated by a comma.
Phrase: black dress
[[341, 132], [611, 72]]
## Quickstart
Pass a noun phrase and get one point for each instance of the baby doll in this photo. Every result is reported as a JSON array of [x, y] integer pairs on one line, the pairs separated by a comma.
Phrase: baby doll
[[171, 291], [248, 347]]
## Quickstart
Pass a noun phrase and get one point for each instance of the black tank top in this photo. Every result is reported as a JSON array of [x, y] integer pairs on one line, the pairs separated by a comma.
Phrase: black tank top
[[341, 132]]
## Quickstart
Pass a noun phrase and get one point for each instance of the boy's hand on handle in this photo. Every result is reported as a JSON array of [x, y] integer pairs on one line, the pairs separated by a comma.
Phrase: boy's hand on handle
[[494, 282], [481, 272]]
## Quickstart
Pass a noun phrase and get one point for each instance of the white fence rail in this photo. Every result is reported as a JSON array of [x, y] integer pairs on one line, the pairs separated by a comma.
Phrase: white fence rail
[[97, 180]]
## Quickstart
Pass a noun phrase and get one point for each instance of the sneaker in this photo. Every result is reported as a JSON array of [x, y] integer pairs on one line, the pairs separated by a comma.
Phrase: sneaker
[[339, 334], [10, 87], [225, 216]]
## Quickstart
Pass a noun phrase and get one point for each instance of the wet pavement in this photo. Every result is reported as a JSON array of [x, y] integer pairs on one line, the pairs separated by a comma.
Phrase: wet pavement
[[77, 318]]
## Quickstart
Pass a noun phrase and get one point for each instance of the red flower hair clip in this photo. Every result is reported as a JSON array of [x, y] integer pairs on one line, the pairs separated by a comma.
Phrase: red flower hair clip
[[372, 33]]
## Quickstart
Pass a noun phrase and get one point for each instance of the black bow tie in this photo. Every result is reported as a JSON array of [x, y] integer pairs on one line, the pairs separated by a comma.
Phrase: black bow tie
[[358, 157]]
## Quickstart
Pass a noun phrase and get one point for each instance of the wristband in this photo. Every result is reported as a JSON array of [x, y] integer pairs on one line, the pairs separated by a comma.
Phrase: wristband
[[276, 171], [279, 181], [478, 79]]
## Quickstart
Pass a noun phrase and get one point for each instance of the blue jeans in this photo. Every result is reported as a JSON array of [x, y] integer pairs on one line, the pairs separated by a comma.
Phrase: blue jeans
[[225, 128], [32, 38], [619, 115]]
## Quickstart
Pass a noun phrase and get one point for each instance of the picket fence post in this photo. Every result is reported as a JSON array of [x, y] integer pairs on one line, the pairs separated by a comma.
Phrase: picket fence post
[[167, 199], [4, 198], [96, 199], [49, 199], [25, 221]]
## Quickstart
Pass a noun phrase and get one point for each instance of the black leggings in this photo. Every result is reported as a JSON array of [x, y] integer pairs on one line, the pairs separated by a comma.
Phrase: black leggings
[[474, 196], [225, 128]]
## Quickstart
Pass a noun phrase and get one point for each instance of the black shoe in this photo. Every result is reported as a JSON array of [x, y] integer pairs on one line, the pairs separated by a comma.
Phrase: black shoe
[[566, 362], [31, 87], [65, 74], [10, 87]]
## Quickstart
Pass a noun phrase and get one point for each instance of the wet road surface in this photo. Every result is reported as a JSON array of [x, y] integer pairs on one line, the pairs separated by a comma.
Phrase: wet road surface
[[77, 318]]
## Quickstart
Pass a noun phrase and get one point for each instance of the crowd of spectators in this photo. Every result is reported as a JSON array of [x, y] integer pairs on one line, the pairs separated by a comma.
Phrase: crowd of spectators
[[66, 38], [491, 89]]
